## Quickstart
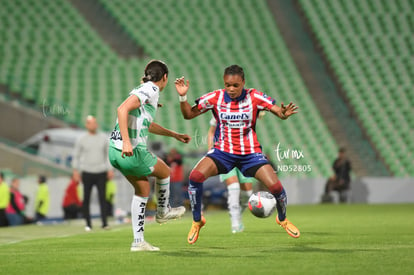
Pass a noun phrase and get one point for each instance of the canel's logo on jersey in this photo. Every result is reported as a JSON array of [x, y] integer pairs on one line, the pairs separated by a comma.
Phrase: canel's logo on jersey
[[235, 116]]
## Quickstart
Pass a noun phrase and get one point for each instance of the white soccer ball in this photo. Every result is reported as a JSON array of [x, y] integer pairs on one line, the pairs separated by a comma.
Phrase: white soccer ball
[[262, 204]]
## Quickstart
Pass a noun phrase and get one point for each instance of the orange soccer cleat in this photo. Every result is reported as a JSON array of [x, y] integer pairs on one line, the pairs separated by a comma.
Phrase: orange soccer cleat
[[195, 230], [291, 229]]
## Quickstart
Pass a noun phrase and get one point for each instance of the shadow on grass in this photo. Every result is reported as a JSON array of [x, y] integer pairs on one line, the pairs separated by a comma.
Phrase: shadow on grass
[[213, 252], [306, 248], [282, 232], [318, 233]]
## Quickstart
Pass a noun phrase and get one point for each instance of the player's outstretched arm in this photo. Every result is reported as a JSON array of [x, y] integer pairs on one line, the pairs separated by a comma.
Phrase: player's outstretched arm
[[159, 130], [188, 111], [284, 111]]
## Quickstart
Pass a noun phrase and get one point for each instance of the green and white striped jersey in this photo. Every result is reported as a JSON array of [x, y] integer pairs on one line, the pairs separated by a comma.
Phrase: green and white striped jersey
[[139, 119]]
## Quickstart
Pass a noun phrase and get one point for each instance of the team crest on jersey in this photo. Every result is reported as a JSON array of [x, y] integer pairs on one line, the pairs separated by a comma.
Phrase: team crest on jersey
[[205, 104]]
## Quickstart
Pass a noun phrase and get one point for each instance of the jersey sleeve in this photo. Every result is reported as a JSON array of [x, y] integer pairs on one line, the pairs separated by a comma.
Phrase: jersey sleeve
[[263, 101], [206, 102], [144, 95]]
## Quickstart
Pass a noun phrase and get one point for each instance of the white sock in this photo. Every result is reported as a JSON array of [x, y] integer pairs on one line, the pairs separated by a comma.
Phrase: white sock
[[163, 194], [138, 217], [244, 198], [233, 202]]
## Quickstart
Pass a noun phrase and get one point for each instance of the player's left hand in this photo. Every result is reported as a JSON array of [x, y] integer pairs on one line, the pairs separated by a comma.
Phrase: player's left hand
[[184, 138], [289, 110], [182, 86]]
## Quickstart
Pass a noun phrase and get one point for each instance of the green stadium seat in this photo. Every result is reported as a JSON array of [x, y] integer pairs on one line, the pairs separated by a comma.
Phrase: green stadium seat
[[371, 54], [68, 64]]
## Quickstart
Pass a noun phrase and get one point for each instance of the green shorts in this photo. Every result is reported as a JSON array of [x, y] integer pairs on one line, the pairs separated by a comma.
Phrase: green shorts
[[240, 176], [141, 163]]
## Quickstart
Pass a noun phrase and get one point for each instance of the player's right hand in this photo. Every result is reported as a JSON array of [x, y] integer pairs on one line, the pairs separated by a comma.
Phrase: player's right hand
[[184, 138], [182, 86], [126, 149]]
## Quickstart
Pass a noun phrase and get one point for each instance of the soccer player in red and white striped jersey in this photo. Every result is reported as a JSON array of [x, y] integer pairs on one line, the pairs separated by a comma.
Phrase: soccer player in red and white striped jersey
[[236, 110], [236, 119]]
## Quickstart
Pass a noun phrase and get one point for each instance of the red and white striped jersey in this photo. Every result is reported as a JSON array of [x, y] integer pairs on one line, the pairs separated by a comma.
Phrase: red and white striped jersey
[[236, 119]]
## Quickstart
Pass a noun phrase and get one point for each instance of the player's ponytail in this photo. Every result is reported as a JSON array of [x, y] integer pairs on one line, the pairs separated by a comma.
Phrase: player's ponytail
[[154, 71]]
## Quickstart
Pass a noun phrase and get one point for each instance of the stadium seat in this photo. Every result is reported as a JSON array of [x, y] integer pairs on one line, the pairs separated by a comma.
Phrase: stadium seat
[[53, 54], [371, 45]]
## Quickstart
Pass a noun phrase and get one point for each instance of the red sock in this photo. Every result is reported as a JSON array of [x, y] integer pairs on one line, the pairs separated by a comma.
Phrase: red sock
[[281, 199], [276, 188]]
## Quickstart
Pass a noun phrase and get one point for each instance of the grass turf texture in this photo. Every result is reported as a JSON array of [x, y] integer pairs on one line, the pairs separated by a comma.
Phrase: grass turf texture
[[335, 239]]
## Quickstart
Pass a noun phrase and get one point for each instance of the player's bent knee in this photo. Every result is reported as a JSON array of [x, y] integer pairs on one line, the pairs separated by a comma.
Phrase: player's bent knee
[[276, 188], [197, 176], [161, 170]]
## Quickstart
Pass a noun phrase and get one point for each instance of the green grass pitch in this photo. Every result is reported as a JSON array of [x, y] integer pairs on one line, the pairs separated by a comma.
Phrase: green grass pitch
[[335, 239]]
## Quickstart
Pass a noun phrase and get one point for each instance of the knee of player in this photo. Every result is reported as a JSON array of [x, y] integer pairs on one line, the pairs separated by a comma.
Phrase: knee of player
[[276, 188], [167, 170], [162, 171], [197, 176]]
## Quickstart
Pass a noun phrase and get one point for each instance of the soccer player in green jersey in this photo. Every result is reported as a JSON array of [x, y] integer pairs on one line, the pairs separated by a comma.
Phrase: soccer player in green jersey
[[129, 154]]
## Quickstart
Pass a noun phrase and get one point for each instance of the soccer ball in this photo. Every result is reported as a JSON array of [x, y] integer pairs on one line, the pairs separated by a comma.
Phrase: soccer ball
[[262, 204]]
